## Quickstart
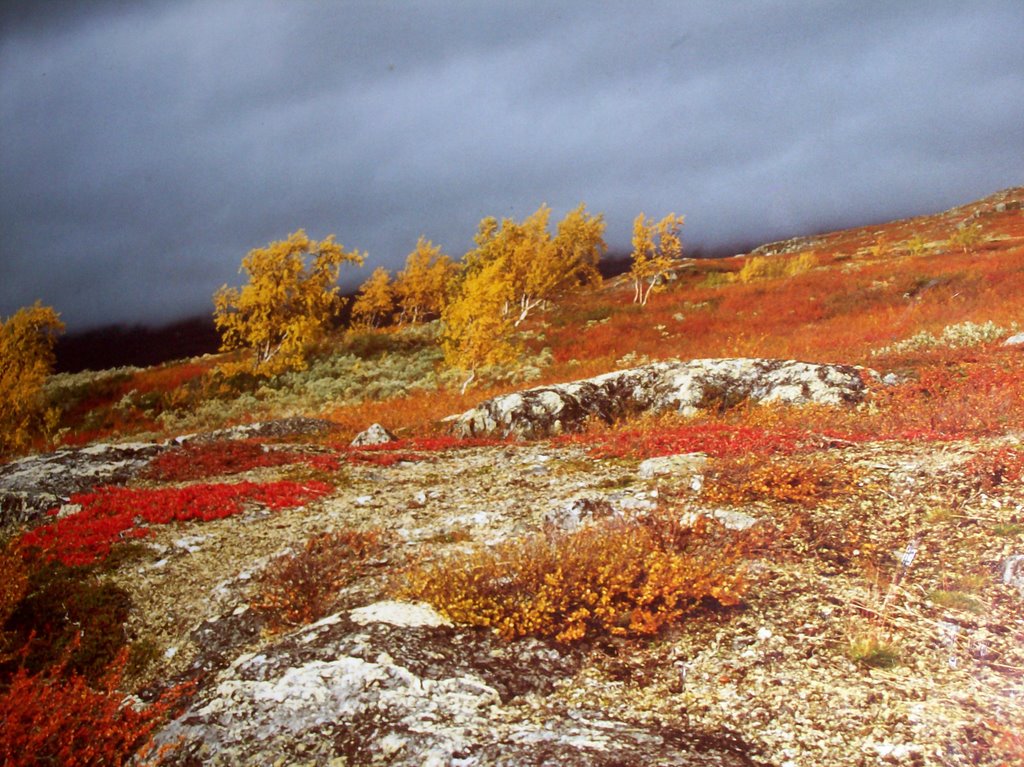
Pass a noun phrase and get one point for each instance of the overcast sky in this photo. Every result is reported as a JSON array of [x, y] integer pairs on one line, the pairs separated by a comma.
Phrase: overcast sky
[[146, 146]]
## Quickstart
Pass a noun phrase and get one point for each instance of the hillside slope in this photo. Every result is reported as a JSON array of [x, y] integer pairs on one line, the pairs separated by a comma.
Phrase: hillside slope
[[771, 577]]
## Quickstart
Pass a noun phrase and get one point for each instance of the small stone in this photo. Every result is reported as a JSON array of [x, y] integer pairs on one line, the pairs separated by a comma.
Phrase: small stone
[[374, 435], [1013, 572], [1016, 340]]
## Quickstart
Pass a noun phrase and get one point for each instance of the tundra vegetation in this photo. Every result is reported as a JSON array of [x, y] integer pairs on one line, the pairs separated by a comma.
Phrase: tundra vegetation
[[928, 304]]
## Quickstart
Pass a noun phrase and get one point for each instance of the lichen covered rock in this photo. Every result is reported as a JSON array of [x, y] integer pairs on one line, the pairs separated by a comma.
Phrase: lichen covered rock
[[351, 690], [684, 387], [30, 486]]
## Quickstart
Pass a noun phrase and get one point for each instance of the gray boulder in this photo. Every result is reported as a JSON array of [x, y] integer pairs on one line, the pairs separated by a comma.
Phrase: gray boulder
[[685, 387]]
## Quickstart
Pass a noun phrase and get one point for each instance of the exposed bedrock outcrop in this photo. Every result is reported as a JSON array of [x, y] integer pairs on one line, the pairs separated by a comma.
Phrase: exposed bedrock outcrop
[[30, 486], [385, 684], [660, 386]]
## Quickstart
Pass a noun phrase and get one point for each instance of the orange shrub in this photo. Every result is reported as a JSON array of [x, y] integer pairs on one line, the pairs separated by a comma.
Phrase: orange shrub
[[300, 588], [619, 577], [993, 468], [807, 481], [415, 414]]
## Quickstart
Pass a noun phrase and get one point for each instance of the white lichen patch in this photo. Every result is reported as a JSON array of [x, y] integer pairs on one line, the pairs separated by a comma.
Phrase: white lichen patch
[[399, 614]]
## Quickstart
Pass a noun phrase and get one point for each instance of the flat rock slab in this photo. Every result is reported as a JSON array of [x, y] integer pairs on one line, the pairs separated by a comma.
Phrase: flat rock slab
[[344, 691], [296, 426], [685, 387], [30, 486]]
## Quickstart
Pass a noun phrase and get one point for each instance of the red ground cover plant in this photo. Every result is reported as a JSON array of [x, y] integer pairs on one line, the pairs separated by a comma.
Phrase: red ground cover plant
[[167, 378], [996, 467], [113, 514], [55, 718], [715, 439], [223, 457]]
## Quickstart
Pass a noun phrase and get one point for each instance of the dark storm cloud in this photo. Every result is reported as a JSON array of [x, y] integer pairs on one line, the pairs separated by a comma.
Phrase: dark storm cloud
[[145, 147]]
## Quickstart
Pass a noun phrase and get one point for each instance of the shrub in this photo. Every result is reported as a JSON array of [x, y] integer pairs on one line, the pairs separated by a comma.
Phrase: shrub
[[13, 585], [621, 577], [68, 613], [27, 339], [760, 268], [56, 718], [1009, 743], [300, 588], [994, 468], [113, 514], [873, 648], [745, 479], [958, 336], [966, 237], [916, 246]]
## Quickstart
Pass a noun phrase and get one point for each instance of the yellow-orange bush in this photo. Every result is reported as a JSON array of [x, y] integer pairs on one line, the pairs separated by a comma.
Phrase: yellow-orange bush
[[300, 588], [620, 577], [27, 339], [788, 480]]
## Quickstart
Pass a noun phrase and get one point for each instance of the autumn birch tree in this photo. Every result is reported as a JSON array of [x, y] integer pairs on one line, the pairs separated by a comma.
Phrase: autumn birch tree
[[538, 267], [376, 299], [477, 329], [421, 287], [515, 268], [27, 340], [657, 249], [286, 304]]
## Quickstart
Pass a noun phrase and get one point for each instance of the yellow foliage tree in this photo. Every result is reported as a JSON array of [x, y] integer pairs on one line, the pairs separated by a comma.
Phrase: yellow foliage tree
[[422, 285], [27, 340], [286, 304], [538, 267], [516, 267], [657, 249], [376, 299], [478, 330], [966, 237]]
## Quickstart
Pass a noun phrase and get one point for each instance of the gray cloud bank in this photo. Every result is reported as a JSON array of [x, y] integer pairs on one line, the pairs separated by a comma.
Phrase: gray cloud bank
[[145, 147]]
